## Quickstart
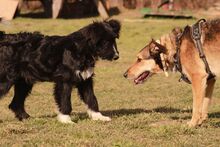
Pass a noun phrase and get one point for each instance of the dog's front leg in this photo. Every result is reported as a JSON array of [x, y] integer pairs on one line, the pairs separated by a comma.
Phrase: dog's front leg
[[207, 100], [62, 93], [198, 89], [86, 93]]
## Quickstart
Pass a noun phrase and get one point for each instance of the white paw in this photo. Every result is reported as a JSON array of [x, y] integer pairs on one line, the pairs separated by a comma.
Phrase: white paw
[[97, 116], [64, 119]]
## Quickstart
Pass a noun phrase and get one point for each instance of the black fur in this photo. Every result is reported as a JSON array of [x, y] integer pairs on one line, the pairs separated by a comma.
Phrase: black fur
[[26, 58]]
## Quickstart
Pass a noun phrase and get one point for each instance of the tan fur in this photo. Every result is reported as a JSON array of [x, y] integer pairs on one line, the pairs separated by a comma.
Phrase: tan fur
[[192, 65]]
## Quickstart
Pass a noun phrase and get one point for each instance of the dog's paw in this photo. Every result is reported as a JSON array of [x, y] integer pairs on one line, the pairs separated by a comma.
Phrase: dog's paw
[[192, 124], [203, 119], [102, 118], [98, 116], [64, 119], [22, 116]]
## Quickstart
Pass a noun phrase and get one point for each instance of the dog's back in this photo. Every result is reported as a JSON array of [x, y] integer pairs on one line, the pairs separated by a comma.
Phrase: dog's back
[[210, 41]]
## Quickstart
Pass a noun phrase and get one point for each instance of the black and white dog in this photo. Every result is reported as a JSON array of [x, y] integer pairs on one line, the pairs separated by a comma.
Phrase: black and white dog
[[68, 61]]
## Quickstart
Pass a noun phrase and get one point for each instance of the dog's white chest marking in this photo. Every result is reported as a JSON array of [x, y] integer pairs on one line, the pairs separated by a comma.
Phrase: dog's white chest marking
[[86, 73]]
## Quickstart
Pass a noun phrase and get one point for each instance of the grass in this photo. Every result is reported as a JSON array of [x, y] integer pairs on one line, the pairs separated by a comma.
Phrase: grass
[[152, 114]]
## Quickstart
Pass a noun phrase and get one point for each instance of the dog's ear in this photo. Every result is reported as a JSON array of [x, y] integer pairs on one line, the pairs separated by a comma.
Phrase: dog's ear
[[115, 25], [177, 31], [186, 32], [156, 48], [153, 40], [93, 32], [153, 48]]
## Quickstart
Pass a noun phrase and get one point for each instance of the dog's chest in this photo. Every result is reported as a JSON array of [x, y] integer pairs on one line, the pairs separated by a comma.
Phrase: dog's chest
[[87, 73]]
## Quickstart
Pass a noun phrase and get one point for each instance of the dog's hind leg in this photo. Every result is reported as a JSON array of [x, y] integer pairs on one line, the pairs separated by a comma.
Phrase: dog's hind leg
[[198, 89], [86, 93], [62, 93], [207, 99], [21, 91]]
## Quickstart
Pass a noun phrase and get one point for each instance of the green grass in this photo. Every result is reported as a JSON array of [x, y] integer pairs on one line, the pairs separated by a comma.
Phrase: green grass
[[152, 114]]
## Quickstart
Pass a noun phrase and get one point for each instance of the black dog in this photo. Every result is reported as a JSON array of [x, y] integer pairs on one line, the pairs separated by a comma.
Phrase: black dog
[[26, 58]]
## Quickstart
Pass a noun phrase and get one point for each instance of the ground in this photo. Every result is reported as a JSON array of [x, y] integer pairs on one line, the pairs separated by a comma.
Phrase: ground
[[152, 114]]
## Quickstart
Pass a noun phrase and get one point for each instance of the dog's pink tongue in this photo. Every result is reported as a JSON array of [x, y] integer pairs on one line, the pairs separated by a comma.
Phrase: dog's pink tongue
[[141, 78]]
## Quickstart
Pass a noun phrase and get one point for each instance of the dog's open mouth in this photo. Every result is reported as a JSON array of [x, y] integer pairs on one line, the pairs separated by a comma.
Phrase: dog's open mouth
[[142, 77]]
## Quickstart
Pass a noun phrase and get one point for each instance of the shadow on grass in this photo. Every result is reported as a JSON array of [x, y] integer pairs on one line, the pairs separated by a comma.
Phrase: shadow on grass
[[110, 113], [125, 112], [170, 110], [214, 115], [216, 124], [180, 118], [114, 113], [211, 116], [173, 110]]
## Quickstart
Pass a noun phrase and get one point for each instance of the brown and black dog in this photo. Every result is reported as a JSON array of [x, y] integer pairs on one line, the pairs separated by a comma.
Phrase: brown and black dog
[[158, 57]]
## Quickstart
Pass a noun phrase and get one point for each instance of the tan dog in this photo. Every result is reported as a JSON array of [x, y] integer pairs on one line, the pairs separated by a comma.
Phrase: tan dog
[[158, 56]]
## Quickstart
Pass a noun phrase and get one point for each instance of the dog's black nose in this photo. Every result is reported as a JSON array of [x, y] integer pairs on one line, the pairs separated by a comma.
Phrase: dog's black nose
[[116, 57], [126, 74]]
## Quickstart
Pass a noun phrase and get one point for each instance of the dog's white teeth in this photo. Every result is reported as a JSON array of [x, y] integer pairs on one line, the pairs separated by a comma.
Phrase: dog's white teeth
[[64, 119], [136, 81], [97, 116]]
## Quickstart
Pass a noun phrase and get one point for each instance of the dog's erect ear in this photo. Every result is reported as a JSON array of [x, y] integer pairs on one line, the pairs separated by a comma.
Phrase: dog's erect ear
[[177, 31], [115, 25], [153, 40], [186, 32], [156, 48], [95, 31]]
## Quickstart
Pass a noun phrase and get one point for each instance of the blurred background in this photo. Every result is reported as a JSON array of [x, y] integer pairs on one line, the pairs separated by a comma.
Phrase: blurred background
[[9, 9]]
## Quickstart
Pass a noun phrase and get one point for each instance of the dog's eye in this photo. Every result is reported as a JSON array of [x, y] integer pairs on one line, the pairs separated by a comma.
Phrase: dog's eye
[[138, 60]]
